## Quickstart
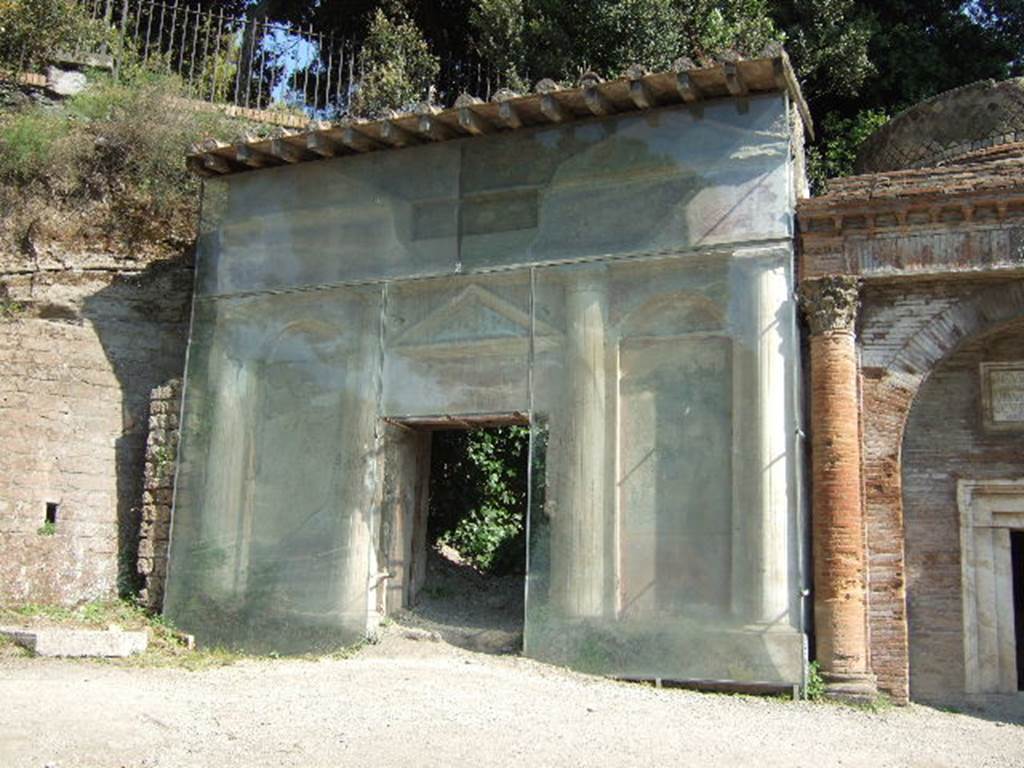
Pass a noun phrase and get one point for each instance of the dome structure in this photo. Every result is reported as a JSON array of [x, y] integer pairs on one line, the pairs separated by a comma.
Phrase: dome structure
[[948, 127]]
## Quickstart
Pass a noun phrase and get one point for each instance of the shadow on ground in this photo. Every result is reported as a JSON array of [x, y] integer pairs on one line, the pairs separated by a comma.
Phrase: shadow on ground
[[468, 609]]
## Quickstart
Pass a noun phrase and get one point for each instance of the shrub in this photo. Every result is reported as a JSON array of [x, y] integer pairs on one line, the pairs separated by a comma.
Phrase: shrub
[[399, 68], [27, 144], [478, 496], [815, 682], [32, 31], [111, 158]]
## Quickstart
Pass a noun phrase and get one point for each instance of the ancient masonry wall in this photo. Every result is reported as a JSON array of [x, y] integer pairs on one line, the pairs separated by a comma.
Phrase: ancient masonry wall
[[80, 350], [945, 441], [158, 489], [906, 328]]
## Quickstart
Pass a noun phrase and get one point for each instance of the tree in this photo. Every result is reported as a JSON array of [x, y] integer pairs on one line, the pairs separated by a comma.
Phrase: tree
[[398, 68], [851, 56]]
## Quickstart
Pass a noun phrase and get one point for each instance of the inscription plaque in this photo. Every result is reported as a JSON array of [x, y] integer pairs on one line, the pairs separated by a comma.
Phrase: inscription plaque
[[1002, 394]]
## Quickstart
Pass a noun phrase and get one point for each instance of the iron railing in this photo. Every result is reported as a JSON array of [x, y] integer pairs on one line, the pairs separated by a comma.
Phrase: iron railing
[[251, 62]]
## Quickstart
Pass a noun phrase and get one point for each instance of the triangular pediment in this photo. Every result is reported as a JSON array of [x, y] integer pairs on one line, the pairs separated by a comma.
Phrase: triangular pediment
[[475, 320]]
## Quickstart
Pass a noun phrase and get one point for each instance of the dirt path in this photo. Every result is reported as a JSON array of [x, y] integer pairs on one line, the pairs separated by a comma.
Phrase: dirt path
[[422, 703]]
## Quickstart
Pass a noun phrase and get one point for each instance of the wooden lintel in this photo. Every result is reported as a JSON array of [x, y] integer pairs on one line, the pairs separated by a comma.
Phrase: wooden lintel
[[471, 122], [217, 164], [508, 115], [360, 142], [248, 156], [686, 87], [322, 144], [395, 135], [552, 109], [287, 151], [597, 102], [733, 79], [641, 94], [434, 129]]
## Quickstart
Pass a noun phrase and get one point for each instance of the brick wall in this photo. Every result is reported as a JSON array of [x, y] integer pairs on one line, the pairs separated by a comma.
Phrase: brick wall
[[80, 351], [945, 440], [907, 329]]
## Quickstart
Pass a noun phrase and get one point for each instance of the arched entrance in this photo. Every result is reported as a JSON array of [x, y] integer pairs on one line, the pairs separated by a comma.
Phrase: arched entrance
[[963, 503]]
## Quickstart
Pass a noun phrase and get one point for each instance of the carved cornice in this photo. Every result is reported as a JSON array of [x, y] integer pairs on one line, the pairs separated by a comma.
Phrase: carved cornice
[[830, 303]]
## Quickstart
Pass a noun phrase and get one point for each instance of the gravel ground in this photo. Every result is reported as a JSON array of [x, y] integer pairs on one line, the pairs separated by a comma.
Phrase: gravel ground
[[425, 703]]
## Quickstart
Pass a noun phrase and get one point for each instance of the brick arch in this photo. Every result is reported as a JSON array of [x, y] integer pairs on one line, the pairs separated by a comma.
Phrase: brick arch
[[887, 396]]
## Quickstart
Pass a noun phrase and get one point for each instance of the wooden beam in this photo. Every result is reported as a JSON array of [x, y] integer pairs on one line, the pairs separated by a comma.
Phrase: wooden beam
[[395, 135], [434, 129], [358, 141], [288, 152], [688, 89], [734, 79], [597, 102], [471, 122], [251, 157], [217, 164], [321, 144], [508, 115], [552, 109], [641, 94]]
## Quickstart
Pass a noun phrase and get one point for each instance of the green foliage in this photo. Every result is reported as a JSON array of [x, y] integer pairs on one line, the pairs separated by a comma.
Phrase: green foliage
[[163, 457], [112, 155], [398, 66], [47, 529], [836, 153], [562, 40], [27, 144], [500, 27], [828, 41], [10, 309], [478, 496], [32, 31], [746, 26], [815, 689]]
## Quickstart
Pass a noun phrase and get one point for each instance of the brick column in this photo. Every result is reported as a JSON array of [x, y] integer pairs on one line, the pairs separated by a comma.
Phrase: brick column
[[839, 547]]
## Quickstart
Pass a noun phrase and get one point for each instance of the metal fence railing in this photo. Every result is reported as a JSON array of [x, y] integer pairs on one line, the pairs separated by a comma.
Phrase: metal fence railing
[[252, 62]]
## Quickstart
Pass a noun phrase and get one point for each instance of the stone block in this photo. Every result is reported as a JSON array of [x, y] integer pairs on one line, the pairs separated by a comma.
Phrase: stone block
[[78, 642]]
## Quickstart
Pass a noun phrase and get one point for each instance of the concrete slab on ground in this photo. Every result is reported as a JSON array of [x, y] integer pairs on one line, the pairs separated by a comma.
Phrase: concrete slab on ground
[[78, 642]]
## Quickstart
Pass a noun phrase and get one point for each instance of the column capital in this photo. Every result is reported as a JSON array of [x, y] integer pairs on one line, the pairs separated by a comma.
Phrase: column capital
[[830, 303]]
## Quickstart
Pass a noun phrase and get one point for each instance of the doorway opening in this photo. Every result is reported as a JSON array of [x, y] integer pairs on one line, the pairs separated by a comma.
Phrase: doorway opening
[[1017, 558], [457, 531]]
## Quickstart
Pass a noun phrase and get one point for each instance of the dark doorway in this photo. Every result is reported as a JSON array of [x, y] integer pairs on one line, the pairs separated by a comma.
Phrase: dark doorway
[[1017, 558], [468, 555]]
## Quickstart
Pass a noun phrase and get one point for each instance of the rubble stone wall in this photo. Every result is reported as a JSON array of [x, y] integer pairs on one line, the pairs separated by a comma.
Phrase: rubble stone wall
[[80, 350], [158, 490]]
